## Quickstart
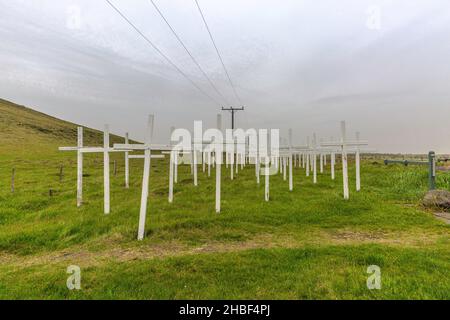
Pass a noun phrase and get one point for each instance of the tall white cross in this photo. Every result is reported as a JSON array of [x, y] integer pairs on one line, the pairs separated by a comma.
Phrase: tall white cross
[[147, 147]]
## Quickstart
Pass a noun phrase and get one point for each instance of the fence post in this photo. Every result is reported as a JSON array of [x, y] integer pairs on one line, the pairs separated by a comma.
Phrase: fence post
[[12, 179], [61, 168], [432, 170]]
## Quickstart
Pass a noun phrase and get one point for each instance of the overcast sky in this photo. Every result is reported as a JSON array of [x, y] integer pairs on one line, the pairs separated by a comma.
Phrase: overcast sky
[[383, 66]]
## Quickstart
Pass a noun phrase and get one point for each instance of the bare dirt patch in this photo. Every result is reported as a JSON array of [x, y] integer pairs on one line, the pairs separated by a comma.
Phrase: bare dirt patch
[[84, 256], [443, 216]]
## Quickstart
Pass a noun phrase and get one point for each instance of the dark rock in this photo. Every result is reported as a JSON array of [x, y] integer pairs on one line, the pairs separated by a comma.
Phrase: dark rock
[[437, 198]]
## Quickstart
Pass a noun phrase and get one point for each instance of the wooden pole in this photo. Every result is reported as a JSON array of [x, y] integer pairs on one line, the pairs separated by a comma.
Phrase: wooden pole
[[13, 174], [61, 168]]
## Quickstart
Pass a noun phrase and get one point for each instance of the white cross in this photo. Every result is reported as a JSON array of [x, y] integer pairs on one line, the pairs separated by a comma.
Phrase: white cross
[[343, 145], [106, 149], [127, 163], [147, 147]]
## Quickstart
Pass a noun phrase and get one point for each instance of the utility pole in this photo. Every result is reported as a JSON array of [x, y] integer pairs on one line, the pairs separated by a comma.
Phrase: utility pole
[[233, 111]]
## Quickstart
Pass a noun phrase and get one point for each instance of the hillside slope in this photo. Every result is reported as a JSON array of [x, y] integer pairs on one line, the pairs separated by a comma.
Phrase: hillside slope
[[24, 132]]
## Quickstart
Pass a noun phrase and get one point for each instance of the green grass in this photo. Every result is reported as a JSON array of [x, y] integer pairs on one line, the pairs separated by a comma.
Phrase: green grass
[[305, 244]]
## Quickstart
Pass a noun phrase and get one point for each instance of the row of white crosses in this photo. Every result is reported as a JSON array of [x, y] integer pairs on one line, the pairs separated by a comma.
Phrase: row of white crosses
[[106, 149], [307, 155], [147, 147], [210, 155]]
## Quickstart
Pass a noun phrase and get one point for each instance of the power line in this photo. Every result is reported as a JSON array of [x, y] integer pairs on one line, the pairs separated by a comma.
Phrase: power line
[[188, 52], [160, 52], [218, 53]]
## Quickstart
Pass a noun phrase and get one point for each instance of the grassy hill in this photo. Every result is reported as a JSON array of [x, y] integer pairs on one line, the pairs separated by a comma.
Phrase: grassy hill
[[23, 130], [305, 244]]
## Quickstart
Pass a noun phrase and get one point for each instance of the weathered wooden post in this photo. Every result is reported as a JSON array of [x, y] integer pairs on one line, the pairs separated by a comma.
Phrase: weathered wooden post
[[13, 175], [61, 168], [432, 170]]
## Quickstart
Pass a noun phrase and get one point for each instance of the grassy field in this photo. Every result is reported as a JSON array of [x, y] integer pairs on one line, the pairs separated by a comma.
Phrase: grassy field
[[305, 244]]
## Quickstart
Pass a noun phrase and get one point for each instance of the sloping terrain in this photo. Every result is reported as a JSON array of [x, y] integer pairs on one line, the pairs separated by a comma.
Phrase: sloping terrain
[[24, 130]]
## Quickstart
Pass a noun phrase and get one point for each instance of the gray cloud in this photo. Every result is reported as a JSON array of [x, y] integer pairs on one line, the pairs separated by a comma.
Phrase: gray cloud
[[300, 64]]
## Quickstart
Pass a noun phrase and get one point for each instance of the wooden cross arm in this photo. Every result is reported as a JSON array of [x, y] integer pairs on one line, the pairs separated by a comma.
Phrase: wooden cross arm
[[141, 156], [68, 148], [131, 147], [347, 143], [89, 149], [364, 150], [295, 148]]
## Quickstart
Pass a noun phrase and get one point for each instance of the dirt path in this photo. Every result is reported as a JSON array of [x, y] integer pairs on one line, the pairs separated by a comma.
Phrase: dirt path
[[84, 257]]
